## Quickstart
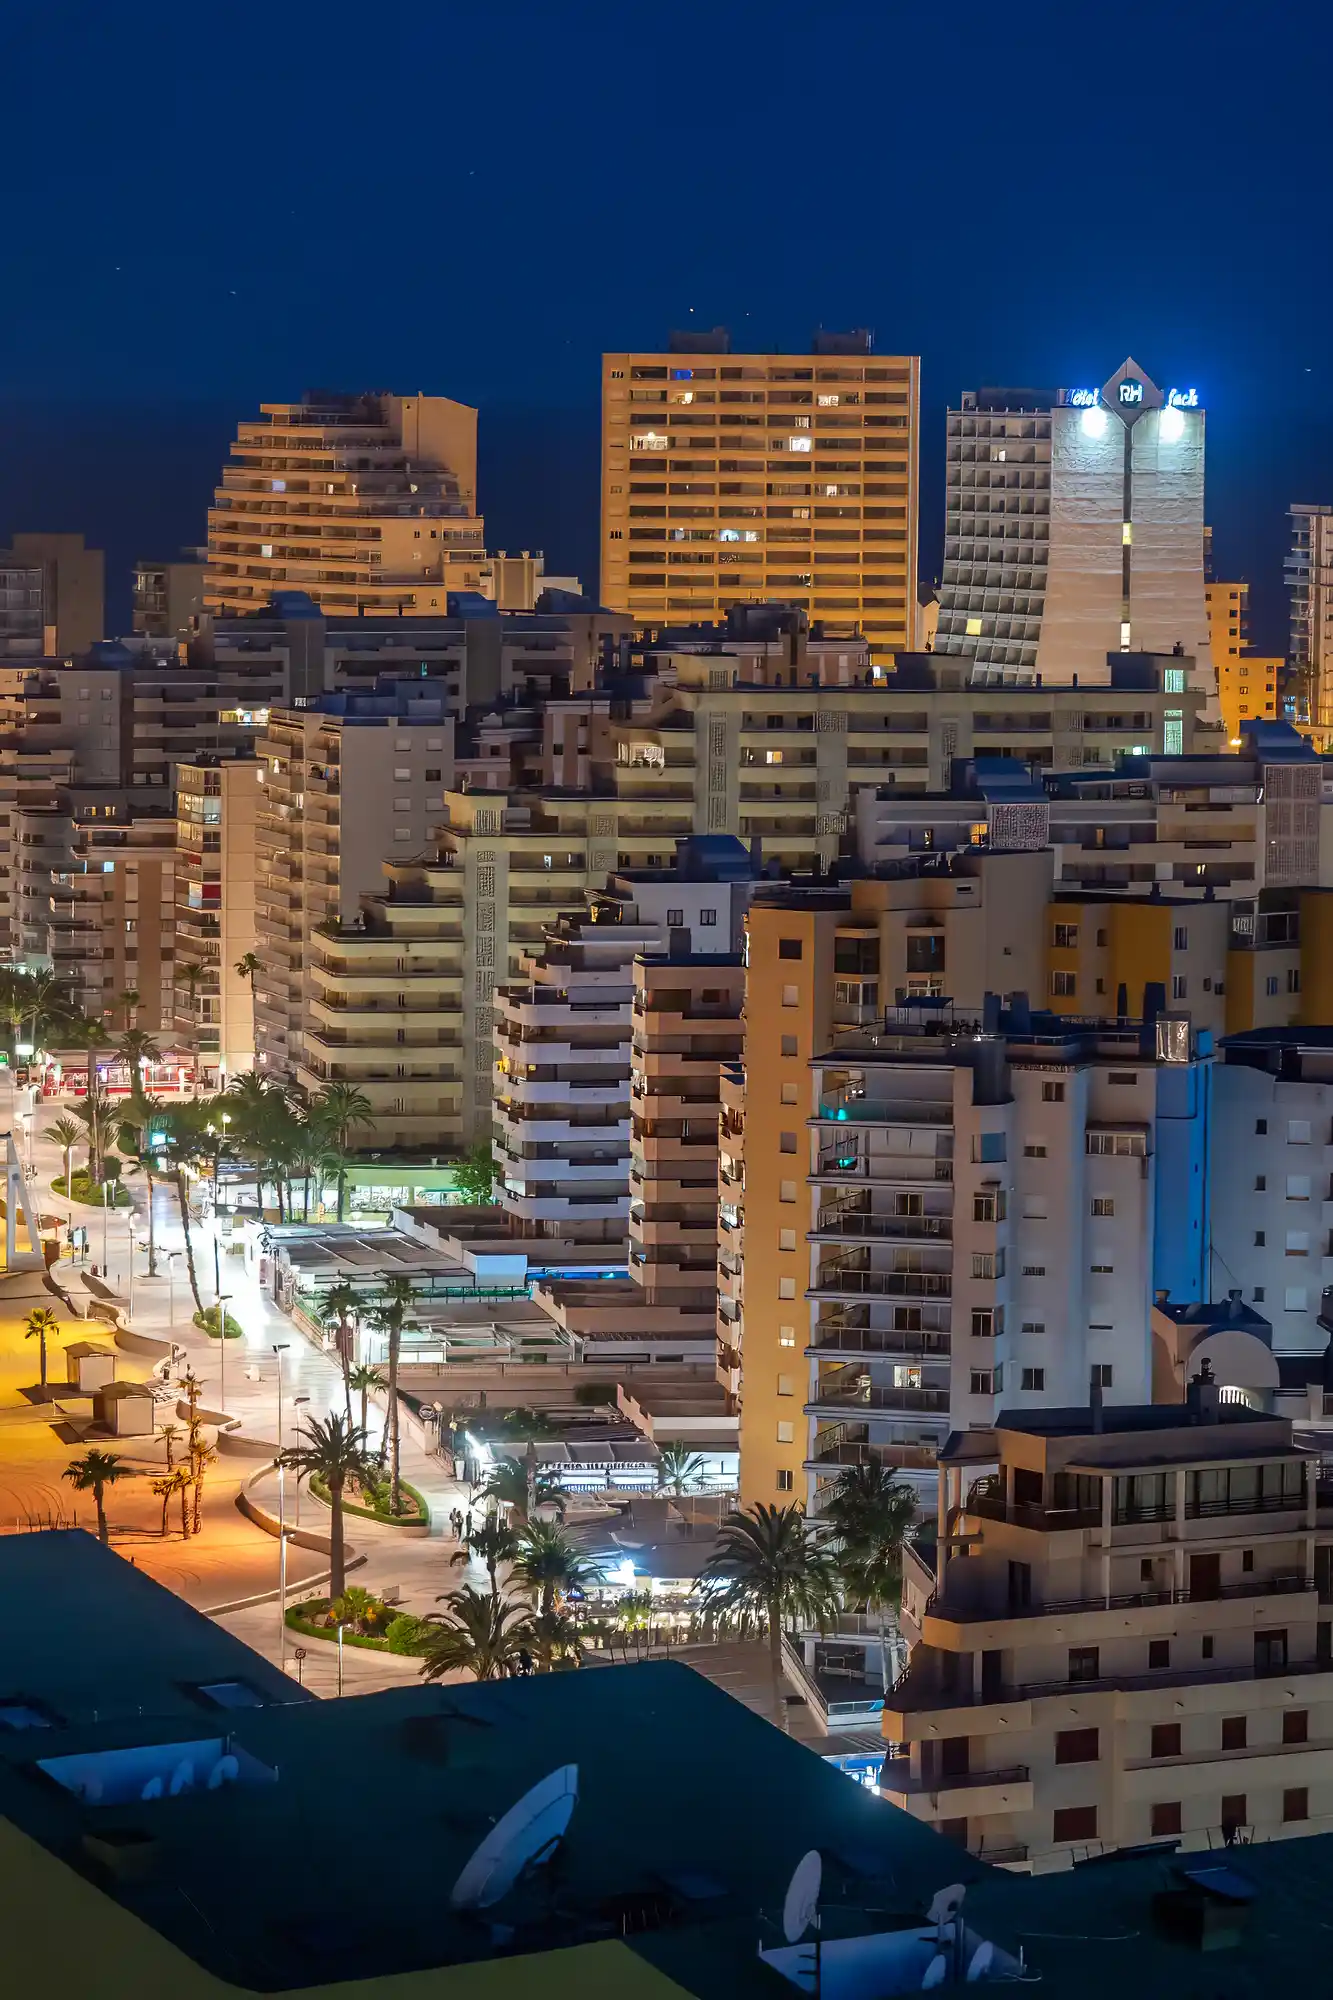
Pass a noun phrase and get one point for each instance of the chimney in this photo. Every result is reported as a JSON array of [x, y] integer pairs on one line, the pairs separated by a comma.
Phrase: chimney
[[1202, 1395], [1160, 1297], [1095, 1403]]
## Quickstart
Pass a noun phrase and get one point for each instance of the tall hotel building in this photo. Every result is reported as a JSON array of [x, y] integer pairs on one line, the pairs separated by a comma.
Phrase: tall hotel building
[[365, 503], [1309, 572], [1075, 529], [732, 478]]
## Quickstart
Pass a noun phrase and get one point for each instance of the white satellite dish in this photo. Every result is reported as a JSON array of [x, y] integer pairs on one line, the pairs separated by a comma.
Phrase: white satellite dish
[[800, 1908], [947, 1903], [935, 1973], [528, 1835], [983, 1959]]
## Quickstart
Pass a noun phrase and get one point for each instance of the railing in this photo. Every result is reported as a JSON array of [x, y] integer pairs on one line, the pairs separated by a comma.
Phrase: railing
[[911, 1695], [897, 1777], [831, 1713], [856, 1222], [884, 1284], [927, 1401], [860, 1340], [850, 1110], [1283, 1584]]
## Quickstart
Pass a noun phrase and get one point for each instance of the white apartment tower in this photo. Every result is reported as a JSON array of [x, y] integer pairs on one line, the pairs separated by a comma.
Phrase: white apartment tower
[[1075, 530], [1309, 572]]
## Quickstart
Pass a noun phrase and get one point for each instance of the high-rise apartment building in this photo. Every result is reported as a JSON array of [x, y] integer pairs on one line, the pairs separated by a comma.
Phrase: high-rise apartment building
[[348, 783], [73, 586], [168, 596], [1075, 530], [24, 632], [1246, 682], [732, 478], [366, 503], [217, 800], [1309, 573], [1120, 1634]]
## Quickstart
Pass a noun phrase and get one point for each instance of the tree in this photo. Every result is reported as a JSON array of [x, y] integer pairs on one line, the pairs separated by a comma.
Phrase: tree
[[338, 1110], [201, 1457], [390, 1316], [67, 1134], [474, 1174], [171, 1435], [680, 1470], [166, 1488], [769, 1569], [129, 1002], [95, 1115], [494, 1542], [93, 1036], [93, 1473], [41, 1325], [136, 1048], [521, 1487], [555, 1641], [333, 1452], [549, 1565], [363, 1378], [482, 1636], [136, 1138], [183, 1147], [871, 1513], [339, 1303], [247, 966]]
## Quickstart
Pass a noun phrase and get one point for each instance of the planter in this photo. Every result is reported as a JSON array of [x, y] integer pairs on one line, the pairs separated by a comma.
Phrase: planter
[[89, 1193], [296, 1621], [419, 1521], [207, 1322]]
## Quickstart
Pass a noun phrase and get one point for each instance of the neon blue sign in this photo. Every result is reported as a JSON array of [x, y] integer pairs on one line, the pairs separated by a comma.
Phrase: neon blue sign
[[1182, 399], [1084, 399], [1131, 391]]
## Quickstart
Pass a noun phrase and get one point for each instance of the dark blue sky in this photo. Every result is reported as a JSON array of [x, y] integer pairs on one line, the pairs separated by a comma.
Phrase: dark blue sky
[[207, 207]]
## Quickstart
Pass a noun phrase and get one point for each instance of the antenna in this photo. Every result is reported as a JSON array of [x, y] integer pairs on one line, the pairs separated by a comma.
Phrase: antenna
[[801, 1907], [527, 1836]]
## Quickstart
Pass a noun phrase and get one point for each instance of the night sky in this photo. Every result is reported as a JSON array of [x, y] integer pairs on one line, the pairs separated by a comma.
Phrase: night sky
[[207, 207]]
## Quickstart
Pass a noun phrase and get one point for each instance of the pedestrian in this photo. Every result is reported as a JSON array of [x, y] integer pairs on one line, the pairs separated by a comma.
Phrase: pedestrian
[[469, 1524]]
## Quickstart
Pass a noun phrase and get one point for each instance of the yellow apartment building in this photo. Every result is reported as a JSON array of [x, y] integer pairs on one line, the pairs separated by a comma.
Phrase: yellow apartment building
[[217, 801], [365, 503], [1246, 682], [731, 478], [1120, 1633]]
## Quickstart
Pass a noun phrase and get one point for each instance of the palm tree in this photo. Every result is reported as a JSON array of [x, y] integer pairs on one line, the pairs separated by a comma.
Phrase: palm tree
[[95, 1115], [174, 1482], [247, 966], [521, 1487], [495, 1542], [67, 1134], [135, 1137], [871, 1514], [555, 1638], [341, 1300], [337, 1110], [363, 1378], [93, 1473], [93, 1037], [201, 1457], [483, 1636], [41, 1325], [390, 1315], [549, 1565], [680, 1470], [170, 1434], [333, 1452], [135, 1048], [129, 1002], [771, 1570], [183, 1128]]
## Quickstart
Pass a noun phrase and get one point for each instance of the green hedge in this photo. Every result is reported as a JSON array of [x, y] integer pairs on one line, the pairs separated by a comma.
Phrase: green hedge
[[207, 1321], [398, 1638], [90, 1192], [418, 1520]]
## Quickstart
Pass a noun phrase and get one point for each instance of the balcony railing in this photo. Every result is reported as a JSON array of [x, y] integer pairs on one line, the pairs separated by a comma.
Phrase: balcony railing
[[1285, 1583], [884, 1284], [925, 1401], [858, 1222]]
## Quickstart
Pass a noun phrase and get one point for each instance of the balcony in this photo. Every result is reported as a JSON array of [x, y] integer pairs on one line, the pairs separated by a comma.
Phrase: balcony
[[834, 1342], [1284, 1583], [836, 1225], [852, 1402], [845, 1107], [856, 1284]]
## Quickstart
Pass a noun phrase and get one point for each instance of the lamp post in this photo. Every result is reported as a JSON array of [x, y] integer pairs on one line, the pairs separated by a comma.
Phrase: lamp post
[[223, 1301], [172, 1255], [296, 1404], [280, 1348], [105, 1190]]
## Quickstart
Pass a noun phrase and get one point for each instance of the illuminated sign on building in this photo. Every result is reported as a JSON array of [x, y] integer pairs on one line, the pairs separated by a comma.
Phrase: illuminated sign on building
[[1084, 399], [1131, 391], [1182, 399]]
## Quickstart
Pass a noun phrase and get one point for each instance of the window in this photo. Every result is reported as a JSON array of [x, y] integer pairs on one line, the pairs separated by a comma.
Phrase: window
[[789, 1045], [786, 1190], [1260, 1238], [1166, 1819], [1296, 1725], [988, 1148], [989, 1207], [1034, 1270], [1052, 1093], [785, 1386], [1128, 1076], [1233, 1732], [1298, 1131], [1260, 1183], [983, 1382], [1296, 1803], [1034, 1326], [1064, 985], [1102, 1204], [1102, 1374], [1033, 1381], [786, 1239], [1118, 1145], [1270, 985], [1159, 1655], [1258, 1295], [1206, 1647], [1298, 1243], [786, 1288], [1076, 1746], [1295, 1299], [789, 947], [786, 1142], [1180, 938], [1075, 1823], [1102, 1270], [786, 1433], [1066, 937], [1165, 1739], [1033, 1149], [784, 1482], [791, 996], [1084, 1663], [988, 1263], [1293, 979], [789, 1093], [974, 628], [1247, 1560], [675, 919], [1233, 1811], [983, 1323], [707, 917], [786, 1336], [1179, 986]]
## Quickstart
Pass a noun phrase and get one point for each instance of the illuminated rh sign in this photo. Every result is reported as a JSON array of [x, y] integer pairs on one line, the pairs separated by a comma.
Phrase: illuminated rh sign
[[1084, 399], [1131, 391], [1182, 399]]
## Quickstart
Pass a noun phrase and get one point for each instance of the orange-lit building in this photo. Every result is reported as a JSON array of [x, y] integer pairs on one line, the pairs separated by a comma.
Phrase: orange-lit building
[[731, 478], [1246, 682]]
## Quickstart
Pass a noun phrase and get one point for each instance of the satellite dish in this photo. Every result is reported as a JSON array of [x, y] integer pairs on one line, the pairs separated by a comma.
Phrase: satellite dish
[[528, 1835], [182, 1778], [947, 1903], [225, 1772], [935, 1973], [801, 1907], [983, 1958]]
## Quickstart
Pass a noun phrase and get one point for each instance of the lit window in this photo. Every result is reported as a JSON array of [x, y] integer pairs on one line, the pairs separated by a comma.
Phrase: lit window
[[266, 548], [974, 628], [1124, 633], [800, 444], [827, 402], [280, 486], [1126, 532]]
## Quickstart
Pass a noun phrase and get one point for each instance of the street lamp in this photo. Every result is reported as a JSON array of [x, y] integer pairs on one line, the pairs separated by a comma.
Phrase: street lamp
[[296, 1404], [223, 1301], [172, 1255], [280, 1348]]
